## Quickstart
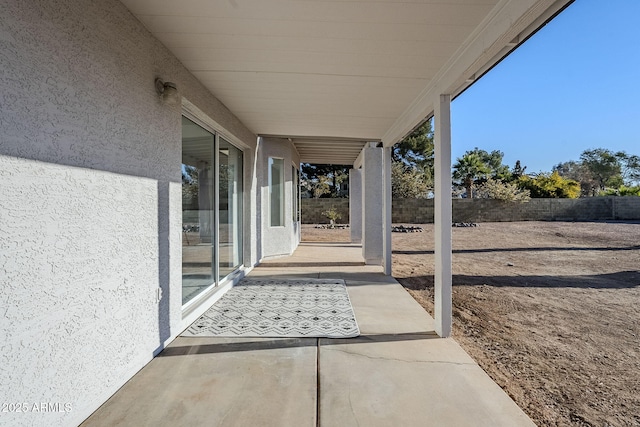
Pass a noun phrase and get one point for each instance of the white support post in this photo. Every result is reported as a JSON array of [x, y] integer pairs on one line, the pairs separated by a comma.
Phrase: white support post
[[372, 209], [355, 205], [386, 202], [443, 216]]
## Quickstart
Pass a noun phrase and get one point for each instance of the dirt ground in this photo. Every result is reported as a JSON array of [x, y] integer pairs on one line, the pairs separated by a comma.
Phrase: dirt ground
[[550, 310]]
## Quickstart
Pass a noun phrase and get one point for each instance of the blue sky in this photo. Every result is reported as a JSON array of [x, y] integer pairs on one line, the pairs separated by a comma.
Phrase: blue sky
[[572, 86]]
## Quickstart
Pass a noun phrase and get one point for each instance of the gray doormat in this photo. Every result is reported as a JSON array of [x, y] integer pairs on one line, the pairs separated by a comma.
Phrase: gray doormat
[[280, 308]]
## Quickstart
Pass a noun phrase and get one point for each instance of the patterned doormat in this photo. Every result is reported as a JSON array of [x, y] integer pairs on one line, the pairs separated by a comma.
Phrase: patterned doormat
[[280, 308]]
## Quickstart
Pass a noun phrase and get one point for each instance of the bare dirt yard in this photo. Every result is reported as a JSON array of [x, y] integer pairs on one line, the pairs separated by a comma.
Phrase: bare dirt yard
[[550, 310]]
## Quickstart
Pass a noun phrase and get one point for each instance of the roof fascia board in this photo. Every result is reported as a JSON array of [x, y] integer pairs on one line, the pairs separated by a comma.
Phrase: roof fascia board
[[485, 47]]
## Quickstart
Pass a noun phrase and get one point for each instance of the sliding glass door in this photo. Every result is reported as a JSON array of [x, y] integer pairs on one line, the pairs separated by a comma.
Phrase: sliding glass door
[[211, 220], [229, 207], [197, 209]]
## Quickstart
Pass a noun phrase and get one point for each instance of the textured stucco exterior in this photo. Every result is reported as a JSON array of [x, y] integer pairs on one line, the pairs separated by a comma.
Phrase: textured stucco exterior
[[355, 205], [277, 241], [90, 213], [372, 206]]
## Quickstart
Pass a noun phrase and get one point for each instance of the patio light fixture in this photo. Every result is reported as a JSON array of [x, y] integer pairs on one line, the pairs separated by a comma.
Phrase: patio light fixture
[[168, 92]]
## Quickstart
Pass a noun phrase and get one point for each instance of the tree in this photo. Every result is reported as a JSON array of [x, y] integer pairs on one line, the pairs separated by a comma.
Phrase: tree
[[494, 161], [412, 164], [416, 153], [622, 191], [551, 185], [600, 170], [499, 190], [517, 171], [190, 186], [417, 148], [579, 173], [408, 182], [629, 168], [604, 167], [475, 166], [324, 180], [332, 215], [318, 187]]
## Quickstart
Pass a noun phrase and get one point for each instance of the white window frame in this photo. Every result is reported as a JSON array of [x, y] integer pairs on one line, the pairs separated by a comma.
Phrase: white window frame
[[283, 205]]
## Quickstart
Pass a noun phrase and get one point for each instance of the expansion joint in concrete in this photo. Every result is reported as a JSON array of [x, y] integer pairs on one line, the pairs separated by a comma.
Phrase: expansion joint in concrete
[[395, 359], [317, 382]]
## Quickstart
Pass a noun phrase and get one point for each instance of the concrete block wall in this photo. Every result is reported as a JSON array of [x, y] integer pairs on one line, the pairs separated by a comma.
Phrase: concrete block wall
[[312, 210], [420, 211], [583, 209], [626, 208], [413, 211], [487, 210]]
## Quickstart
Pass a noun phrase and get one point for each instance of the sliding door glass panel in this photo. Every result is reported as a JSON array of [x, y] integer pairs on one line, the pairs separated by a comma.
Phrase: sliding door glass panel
[[296, 194], [276, 191], [197, 209], [230, 207]]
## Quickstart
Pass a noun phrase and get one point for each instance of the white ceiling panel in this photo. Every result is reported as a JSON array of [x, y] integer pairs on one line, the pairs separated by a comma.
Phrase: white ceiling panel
[[364, 69]]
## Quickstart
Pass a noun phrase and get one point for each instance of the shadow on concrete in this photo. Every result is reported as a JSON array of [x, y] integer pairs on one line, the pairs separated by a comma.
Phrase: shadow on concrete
[[311, 264], [613, 221], [248, 344], [550, 249], [350, 278], [331, 244], [374, 338], [618, 280]]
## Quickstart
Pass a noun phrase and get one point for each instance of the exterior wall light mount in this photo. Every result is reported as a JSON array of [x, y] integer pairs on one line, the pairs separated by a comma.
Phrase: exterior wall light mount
[[168, 92]]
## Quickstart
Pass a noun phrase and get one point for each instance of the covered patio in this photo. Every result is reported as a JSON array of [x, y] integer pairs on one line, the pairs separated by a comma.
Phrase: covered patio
[[397, 373], [151, 157], [345, 81]]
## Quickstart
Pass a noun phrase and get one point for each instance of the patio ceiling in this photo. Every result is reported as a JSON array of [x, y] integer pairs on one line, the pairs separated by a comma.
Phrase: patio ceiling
[[325, 71], [336, 151]]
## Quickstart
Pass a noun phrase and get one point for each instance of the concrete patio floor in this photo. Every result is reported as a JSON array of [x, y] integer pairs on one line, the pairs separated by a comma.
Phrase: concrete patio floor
[[397, 373]]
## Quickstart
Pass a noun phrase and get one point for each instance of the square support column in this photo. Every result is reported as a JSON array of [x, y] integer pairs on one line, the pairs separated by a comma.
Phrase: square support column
[[386, 202], [355, 205], [443, 216], [372, 209]]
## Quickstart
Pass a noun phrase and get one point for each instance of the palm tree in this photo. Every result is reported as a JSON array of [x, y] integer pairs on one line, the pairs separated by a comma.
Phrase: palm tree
[[468, 169]]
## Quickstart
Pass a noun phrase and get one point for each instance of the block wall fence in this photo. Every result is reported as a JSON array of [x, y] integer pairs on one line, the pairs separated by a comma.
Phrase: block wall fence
[[420, 211]]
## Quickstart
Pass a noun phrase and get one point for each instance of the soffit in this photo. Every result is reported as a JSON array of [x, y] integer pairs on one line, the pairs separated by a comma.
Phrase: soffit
[[332, 151], [332, 69]]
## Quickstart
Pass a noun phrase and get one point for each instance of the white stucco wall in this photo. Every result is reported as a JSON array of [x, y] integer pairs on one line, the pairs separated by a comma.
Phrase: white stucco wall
[[277, 241], [90, 206], [372, 205]]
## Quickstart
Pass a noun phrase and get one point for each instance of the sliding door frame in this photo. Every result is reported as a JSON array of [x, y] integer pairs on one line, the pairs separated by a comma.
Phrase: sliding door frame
[[209, 125]]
